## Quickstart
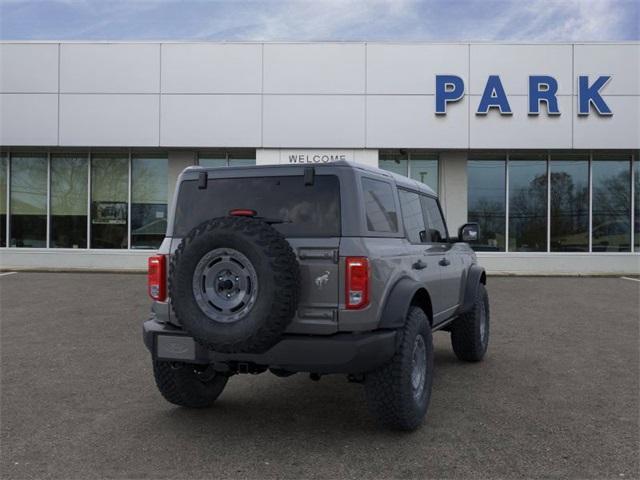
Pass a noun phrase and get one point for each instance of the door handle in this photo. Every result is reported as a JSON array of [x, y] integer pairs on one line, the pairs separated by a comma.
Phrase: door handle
[[444, 262], [419, 265]]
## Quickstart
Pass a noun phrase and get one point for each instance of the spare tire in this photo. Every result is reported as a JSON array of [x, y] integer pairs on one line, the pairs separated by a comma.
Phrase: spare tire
[[234, 284]]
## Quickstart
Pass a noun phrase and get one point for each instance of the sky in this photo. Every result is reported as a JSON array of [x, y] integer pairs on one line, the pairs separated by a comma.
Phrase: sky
[[321, 20]]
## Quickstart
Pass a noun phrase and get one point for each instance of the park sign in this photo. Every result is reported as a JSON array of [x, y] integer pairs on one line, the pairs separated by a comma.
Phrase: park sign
[[542, 89]]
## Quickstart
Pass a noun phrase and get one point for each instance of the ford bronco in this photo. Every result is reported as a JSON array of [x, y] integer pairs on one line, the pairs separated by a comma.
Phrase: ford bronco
[[331, 268]]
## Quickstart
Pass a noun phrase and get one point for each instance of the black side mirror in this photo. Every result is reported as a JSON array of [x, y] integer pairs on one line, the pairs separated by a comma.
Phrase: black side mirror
[[469, 232]]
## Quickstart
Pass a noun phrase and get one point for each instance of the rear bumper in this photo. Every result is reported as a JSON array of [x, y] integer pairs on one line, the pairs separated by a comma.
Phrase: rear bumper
[[339, 353]]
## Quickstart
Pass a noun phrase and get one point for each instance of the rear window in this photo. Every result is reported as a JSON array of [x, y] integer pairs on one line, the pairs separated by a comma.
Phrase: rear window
[[380, 208], [305, 210]]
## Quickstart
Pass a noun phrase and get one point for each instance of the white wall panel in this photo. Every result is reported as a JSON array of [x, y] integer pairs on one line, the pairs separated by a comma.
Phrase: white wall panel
[[411, 69], [521, 130], [109, 120], [620, 61], [313, 121], [211, 68], [211, 120], [514, 64], [28, 68], [621, 130], [28, 119], [110, 68], [408, 121], [314, 68]]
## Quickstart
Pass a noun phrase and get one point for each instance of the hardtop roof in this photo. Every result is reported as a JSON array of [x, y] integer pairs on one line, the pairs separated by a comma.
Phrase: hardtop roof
[[400, 180]]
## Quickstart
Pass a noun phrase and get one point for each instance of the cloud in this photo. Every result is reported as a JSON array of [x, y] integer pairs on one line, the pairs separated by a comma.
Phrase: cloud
[[331, 20]]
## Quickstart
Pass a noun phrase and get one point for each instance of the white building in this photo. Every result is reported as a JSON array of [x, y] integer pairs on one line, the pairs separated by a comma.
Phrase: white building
[[539, 143]]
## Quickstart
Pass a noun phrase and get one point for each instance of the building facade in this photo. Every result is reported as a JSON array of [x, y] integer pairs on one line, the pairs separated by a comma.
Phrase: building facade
[[538, 143]]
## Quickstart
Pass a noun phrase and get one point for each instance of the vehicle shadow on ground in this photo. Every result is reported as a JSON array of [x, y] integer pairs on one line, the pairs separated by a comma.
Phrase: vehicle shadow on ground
[[295, 403]]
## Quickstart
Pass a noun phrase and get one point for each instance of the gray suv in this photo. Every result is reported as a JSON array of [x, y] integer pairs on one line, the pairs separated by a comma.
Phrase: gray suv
[[330, 268]]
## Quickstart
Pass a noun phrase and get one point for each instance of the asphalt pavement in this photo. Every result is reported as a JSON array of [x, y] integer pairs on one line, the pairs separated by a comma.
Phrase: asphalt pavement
[[557, 396]]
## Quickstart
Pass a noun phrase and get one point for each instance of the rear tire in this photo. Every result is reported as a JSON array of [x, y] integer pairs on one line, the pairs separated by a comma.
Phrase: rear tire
[[470, 332], [188, 385], [398, 394]]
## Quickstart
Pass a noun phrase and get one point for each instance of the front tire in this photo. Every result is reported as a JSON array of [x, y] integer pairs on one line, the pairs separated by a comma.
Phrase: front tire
[[470, 332], [398, 394], [191, 386]]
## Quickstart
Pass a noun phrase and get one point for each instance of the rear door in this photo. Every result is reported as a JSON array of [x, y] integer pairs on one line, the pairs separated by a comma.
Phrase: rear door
[[451, 266], [424, 255]]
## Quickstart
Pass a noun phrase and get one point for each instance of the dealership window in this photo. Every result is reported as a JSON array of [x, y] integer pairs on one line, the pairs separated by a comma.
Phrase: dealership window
[[109, 196], [4, 165], [68, 208], [231, 158], [28, 204], [486, 197], [149, 193], [380, 209], [527, 202], [421, 166], [569, 202], [611, 210]]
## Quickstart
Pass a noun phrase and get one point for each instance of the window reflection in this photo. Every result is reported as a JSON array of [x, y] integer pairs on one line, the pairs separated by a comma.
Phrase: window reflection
[[424, 168], [412, 216], [395, 162], [486, 202], [149, 188], [242, 158], [380, 209], [611, 231], [570, 203], [28, 201], [3, 200], [69, 201], [109, 193], [437, 231], [527, 204], [420, 166], [234, 158]]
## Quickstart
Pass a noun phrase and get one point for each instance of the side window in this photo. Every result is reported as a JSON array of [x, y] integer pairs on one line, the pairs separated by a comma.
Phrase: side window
[[436, 229], [379, 206], [412, 216]]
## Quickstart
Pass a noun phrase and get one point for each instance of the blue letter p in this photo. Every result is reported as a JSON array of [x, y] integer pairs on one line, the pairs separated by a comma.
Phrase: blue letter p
[[449, 88]]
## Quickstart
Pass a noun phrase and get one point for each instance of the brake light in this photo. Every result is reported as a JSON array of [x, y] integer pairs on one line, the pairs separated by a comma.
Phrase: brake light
[[157, 277], [242, 212], [357, 283]]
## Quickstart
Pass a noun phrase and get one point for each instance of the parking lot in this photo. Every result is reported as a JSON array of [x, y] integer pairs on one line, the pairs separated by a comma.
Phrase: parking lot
[[557, 396]]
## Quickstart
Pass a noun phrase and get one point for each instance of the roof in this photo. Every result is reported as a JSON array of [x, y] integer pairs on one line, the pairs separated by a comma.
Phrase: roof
[[400, 180]]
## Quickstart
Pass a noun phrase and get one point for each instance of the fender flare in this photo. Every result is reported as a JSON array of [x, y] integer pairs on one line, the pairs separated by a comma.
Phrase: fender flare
[[475, 277], [397, 303]]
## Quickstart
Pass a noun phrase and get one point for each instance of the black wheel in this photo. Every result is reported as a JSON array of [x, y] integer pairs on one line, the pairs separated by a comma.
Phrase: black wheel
[[193, 386], [398, 394], [234, 284], [470, 332]]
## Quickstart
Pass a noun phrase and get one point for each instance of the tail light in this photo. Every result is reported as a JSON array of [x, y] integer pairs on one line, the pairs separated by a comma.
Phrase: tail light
[[357, 283], [157, 277]]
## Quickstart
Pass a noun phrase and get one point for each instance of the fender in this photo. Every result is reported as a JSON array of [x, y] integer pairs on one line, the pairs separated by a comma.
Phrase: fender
[[397, 304], [475, 277]]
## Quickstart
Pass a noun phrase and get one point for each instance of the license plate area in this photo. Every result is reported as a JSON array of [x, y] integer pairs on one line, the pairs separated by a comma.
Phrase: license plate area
[[175, 347]]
